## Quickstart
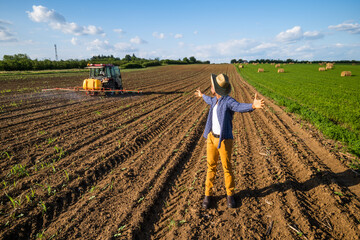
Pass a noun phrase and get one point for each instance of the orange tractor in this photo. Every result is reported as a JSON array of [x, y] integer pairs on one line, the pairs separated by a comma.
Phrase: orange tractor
[[104, 78]]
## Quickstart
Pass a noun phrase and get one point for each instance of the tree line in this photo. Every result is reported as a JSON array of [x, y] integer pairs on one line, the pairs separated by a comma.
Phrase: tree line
[[289, 60], [24, 62]]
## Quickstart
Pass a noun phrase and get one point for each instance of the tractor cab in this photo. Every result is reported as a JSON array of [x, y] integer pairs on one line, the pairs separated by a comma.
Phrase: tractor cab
[[103, 77]]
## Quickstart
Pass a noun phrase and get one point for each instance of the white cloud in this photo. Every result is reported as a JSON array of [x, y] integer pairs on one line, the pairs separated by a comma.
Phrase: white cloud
[[5, 33], [124, 47], [5, 22], [353, 28], [263, 47], [339, 45], [98, 45], [313, 35], [6, 36], [58, 22], [137, 40], [74, 41], [92, 30], [29, 42], [158, 35], [178, 35], [235, 46], [290, 35], [204, 51], [196, 32], [43, 14], [120, 32], [296, 33], [304, 48]]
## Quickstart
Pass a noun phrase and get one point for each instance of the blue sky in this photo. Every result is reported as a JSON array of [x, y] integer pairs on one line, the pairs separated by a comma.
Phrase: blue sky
[[209, 30]]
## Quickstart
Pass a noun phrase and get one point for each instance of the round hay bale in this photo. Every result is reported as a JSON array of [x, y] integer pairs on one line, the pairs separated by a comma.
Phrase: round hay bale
[[346, 73], [260, 70], [281, 70], [321, 69]]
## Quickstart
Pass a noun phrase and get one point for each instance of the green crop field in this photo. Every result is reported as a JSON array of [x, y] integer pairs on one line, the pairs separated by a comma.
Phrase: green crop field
[[327, 100]]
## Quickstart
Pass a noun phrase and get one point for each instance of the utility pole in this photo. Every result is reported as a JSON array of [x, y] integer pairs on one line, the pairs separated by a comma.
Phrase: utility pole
[[56, 57]]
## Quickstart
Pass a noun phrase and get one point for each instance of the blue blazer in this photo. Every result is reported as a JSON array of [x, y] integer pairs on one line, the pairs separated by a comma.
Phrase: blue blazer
[[226, 108]]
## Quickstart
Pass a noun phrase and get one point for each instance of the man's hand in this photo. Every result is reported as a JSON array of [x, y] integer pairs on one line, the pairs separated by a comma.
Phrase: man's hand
[[258, 103], [198, 93]]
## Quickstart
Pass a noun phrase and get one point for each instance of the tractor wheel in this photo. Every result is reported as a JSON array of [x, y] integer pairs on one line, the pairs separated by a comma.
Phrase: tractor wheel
[[111, 86]]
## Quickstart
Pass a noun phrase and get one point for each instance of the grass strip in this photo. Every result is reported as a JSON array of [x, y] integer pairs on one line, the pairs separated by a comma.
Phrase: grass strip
[[325, 125]]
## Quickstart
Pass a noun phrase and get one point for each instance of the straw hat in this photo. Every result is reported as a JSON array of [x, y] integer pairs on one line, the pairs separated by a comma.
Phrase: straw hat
[[221, 84]]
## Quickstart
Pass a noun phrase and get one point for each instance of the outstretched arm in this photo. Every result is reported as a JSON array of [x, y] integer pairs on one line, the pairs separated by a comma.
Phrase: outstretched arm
[[245, 107]]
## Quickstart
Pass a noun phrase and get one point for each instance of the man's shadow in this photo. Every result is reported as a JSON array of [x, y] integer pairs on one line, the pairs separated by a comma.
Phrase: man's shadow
[[347, 178]]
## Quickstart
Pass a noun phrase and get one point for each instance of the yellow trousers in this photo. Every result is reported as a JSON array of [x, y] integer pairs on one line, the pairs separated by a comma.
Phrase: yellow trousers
[[213, 154]]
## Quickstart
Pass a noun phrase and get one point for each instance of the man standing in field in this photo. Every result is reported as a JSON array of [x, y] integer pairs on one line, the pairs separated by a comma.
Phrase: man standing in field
[[218, 132]]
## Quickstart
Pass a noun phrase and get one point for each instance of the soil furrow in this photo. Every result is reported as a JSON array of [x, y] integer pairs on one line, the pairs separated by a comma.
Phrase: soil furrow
[[134, 170]]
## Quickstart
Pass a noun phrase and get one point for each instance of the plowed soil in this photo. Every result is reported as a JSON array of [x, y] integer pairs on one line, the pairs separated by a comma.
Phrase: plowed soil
[[134, 166]]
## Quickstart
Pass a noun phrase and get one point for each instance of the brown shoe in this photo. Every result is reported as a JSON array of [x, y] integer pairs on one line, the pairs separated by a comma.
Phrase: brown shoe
[[206, 202], [231, 202]]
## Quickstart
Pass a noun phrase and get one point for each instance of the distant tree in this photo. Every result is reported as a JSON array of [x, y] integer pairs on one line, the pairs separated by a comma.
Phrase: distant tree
[[233, 61], [127, 58], [133, 58], [186, 60], [19, 56], [192, 59]]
